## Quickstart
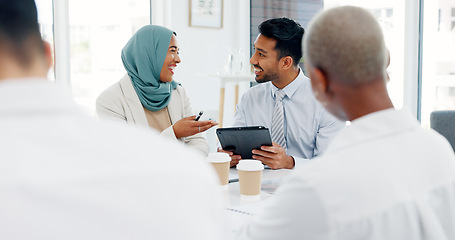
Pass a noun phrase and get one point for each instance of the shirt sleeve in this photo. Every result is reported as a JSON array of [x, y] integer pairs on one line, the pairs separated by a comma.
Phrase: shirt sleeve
[[299, 161], [329, 126], [239, 116], [295, 212]]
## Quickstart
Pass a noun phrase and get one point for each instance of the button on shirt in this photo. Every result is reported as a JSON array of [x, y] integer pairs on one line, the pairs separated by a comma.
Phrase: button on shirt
[[308, 127]]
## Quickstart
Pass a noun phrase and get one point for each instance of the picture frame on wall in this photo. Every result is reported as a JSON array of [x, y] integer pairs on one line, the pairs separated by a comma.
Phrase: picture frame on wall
[[206, 13]]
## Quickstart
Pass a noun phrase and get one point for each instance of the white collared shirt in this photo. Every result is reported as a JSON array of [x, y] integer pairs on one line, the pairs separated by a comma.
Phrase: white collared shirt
[[308, 127], [384, 177], [65, 176]]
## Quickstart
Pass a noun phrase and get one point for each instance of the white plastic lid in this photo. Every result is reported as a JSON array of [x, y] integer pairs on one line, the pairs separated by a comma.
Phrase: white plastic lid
[[250, 165], [218, 157]]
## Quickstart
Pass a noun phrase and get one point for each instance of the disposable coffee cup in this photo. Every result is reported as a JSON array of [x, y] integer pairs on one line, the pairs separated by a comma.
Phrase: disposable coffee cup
[[220, 161], [250, 175]]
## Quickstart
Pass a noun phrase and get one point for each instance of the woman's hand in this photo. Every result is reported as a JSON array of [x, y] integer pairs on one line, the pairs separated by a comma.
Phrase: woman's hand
[[188, 127]]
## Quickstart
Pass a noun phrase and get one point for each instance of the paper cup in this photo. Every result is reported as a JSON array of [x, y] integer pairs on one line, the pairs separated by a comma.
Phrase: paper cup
[[250, 174], [220, 161]]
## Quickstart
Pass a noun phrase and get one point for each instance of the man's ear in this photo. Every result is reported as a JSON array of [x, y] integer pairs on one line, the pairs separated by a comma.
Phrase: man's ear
[[286, 62], [319, 83], [48, 54], [388, 64]]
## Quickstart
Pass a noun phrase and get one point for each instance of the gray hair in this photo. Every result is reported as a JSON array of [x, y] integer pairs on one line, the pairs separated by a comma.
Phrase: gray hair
[[347, 44]]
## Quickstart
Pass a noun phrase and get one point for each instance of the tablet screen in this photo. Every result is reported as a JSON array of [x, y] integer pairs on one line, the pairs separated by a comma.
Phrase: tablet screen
[[242, 140]]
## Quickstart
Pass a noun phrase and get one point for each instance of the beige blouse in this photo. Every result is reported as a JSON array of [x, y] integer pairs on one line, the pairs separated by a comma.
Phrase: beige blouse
[[158, 120]]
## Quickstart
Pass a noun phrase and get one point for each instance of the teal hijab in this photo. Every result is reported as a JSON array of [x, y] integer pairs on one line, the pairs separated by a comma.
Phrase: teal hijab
[[143, 57]]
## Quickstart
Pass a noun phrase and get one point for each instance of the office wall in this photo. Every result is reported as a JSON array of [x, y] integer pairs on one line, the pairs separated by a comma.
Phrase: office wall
[[301, 11], [205, 51]]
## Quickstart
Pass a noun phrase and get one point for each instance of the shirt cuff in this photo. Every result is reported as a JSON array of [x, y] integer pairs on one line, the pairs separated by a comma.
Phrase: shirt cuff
[[298, 161]]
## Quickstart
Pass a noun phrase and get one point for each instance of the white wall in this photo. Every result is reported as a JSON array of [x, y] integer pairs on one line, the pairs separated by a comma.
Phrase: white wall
[[205, 51]]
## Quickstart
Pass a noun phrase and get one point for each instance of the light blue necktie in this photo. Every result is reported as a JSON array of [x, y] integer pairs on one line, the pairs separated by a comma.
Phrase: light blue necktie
[[278, 119]]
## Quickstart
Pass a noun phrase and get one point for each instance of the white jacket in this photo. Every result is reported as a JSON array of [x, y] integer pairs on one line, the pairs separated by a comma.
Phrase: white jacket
[[121, 103]]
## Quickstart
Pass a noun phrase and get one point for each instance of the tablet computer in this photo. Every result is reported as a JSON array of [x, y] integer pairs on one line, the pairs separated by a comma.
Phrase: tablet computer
[[242, 140]]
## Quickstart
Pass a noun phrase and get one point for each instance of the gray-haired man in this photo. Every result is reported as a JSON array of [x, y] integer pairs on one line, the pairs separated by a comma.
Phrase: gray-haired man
[[384, 177]]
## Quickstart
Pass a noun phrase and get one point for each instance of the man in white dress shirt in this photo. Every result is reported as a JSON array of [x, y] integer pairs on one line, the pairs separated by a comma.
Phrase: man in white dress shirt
[[306, 127], [65, 176], [383, 177]]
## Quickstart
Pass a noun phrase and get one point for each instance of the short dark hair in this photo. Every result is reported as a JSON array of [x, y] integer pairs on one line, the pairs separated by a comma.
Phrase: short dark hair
[[19, 30], [288, 34]]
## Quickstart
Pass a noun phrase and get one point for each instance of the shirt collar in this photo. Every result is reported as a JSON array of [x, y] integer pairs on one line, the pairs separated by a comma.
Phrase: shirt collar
[[33, 94], [292, 87], [373, 126]]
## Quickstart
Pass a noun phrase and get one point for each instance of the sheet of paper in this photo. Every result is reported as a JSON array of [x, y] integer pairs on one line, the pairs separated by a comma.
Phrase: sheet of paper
[[240, 215]]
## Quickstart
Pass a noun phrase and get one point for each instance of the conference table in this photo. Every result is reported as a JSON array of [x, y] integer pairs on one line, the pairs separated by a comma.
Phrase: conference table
[[239, 210]]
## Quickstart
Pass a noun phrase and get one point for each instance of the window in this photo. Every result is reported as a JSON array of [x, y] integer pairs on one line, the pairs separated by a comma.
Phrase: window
[[301, 11], [391, 17], [46, 21], [99, 29], [438, 66]]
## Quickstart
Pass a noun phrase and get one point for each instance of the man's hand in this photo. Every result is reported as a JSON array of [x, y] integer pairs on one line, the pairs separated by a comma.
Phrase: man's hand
[[188, 126], [234, 158], [274, 156]]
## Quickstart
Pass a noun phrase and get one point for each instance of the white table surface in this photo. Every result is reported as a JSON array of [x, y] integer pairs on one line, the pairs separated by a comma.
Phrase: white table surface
[[270, 181], [239, 210]]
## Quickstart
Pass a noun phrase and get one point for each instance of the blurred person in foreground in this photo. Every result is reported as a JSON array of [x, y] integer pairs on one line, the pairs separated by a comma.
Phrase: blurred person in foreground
[[384, 177], [147, 96], [65, 176]]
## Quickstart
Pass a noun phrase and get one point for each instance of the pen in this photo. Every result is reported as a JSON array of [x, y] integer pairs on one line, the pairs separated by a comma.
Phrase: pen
[[198, 116]]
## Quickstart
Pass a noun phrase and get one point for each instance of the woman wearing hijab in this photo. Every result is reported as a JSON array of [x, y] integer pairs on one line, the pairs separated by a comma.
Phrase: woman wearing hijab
[[147, 95]]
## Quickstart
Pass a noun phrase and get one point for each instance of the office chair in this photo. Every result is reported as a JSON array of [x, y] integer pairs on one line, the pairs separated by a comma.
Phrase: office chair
[[444, 123]]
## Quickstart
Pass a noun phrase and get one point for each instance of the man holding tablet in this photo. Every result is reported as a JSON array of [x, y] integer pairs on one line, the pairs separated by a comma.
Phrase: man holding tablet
[[299, 126]]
